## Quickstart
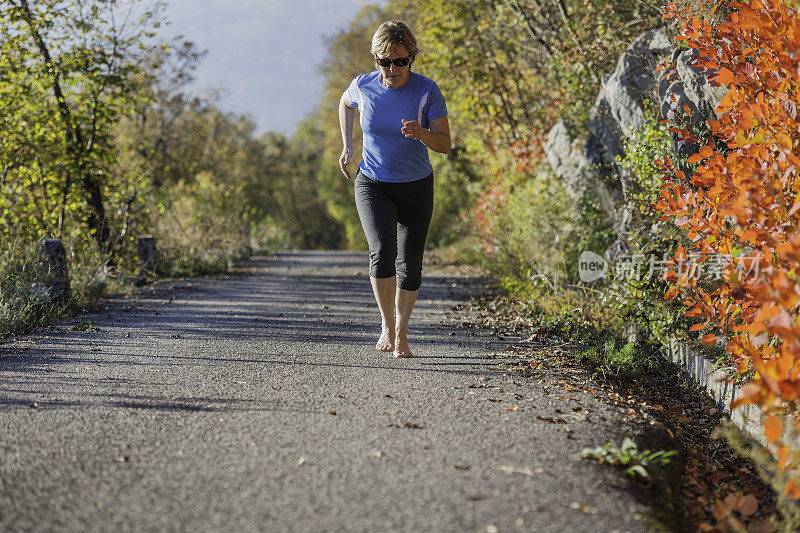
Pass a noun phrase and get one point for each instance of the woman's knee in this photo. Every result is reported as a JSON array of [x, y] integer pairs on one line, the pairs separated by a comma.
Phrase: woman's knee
[[382, 261], [409, 281], [409, 271]]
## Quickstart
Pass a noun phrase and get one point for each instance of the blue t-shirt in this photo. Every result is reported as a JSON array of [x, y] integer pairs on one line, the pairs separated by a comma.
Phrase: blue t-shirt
[[387, 154]]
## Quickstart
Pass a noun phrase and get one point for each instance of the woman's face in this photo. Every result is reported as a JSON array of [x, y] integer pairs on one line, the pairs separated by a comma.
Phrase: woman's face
[[394, 76]]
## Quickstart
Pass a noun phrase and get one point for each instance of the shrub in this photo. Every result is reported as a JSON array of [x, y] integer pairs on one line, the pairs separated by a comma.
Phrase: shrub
[[742, 201]]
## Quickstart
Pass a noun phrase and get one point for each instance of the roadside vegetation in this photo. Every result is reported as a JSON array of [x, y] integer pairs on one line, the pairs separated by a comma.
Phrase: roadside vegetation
[[103, 142]]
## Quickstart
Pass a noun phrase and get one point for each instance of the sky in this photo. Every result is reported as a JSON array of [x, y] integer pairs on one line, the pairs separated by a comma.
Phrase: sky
[[263, 54]]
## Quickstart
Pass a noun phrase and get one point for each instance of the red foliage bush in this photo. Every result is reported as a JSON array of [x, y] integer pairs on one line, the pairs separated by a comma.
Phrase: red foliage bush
[[743, 202]]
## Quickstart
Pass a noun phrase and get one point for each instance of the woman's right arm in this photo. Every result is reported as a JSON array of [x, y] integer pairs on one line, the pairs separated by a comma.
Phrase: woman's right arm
[[346, 117]]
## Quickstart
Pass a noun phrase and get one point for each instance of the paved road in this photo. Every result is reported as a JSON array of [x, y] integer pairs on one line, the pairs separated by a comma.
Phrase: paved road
[[257, 402]]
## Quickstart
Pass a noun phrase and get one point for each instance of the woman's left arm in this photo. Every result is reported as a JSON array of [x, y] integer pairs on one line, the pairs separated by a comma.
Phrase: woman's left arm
[[437, 138]]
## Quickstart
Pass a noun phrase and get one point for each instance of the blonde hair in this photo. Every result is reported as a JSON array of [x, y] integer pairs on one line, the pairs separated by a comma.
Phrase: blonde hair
[[393, 33]]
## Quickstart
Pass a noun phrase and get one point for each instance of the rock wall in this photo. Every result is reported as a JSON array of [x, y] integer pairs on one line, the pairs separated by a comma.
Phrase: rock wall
[[589, 158], [617, 114]]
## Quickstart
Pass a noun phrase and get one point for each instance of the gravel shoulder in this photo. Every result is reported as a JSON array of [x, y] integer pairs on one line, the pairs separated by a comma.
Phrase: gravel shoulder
[[255, 401]]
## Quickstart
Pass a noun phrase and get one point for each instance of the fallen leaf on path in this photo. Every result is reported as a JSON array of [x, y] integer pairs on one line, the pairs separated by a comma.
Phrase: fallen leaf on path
[[301, 460], [516, 470], [551, 420], [408, 425], [731, 501], [583, 508], [748, 505]]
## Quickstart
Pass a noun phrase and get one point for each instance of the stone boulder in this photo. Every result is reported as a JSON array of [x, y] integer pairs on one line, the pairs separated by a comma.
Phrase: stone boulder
[[696, 85], [565, 153], [618, 111], [682, 86]]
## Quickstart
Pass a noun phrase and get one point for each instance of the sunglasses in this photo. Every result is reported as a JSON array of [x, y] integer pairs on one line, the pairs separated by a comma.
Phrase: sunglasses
[[399, 62]]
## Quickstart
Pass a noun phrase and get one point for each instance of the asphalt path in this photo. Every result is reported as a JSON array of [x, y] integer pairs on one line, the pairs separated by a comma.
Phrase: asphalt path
[[256, 401]]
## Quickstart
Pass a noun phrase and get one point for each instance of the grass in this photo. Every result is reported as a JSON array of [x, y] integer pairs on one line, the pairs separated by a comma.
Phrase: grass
[[25, 300], [633, 461], [623, 361], [593, 318], [26, 303], [177, 265]]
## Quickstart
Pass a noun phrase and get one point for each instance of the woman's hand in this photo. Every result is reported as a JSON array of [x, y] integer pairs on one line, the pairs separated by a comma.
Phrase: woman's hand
[[344, 159], [413, 130], [437, 138]]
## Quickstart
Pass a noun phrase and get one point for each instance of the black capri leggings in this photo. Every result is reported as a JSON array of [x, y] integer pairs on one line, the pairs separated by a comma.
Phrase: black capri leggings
[[395, 218]]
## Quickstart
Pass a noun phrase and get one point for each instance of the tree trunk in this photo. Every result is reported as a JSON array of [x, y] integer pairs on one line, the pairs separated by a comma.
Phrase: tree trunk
[[74, 143]]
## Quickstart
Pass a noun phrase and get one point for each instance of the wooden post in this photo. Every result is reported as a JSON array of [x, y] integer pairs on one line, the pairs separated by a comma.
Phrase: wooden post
[[53, 259], [148, 258]]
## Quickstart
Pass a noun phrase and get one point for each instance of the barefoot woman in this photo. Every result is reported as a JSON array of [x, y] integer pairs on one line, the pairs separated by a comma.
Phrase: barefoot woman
[[402, 115]]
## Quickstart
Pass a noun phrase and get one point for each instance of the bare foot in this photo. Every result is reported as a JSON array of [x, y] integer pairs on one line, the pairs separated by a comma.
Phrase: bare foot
[[386, 340], [402, 349]]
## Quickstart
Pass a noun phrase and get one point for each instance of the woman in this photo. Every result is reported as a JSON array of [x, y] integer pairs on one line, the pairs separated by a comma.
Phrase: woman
[[402, 114]]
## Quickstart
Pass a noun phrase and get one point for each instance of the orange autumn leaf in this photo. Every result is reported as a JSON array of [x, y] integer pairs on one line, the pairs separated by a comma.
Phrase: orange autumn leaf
[[773, 428], [784, 140], [709, 338], [792, 489], [695, 158], [671, 293], [725, 76], [706, 151]]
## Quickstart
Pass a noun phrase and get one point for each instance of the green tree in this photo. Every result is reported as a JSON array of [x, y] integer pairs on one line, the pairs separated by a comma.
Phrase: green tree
[[68, 70]]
